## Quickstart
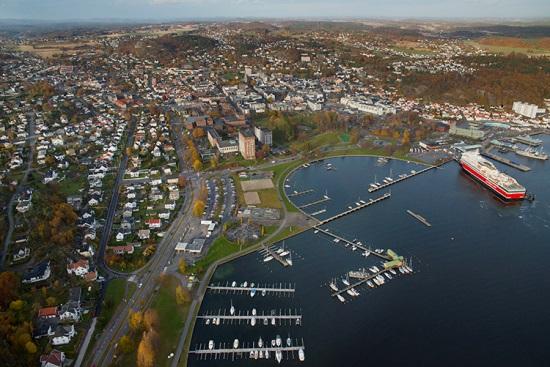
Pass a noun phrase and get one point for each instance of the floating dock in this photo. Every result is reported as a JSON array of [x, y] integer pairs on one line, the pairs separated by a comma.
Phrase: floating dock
[[225, 350], [270, 252], [356, 208], [325, 198], [319, 212], [298, 193], [348, 242], [280, 317], [416, 173], [505, 161], [419, 217], [274, 289]]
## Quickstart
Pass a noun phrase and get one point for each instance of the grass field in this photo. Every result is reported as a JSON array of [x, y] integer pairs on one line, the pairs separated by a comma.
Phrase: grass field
[[172, 318], [115, 292], [528, 49], [269, 199], [221, 247]]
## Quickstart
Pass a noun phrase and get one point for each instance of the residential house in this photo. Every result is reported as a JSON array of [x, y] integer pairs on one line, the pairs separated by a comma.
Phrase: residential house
[[37, 273]]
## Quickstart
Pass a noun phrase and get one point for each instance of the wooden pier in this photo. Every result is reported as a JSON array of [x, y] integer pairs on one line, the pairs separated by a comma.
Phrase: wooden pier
[[319, 212], [298, 193], [419, 217], [403, 178], [280, 289], [356, 208], [505, 161], [348, 242]]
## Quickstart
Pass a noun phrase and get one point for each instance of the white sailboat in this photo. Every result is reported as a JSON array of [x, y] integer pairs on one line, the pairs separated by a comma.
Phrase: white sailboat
[[301, 355], [211, 344], [278, 355], [235, 343], [232, 309]]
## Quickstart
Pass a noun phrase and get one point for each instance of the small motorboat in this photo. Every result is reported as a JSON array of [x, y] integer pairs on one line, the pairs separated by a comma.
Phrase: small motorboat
[[288, 342], [234, 284], [235, 343], [211, 344], [260, 342], [252, 292], [278, 355], [301, 355], [340, 298], [268, 258], [207, 322], [264, 292], [278, 341]]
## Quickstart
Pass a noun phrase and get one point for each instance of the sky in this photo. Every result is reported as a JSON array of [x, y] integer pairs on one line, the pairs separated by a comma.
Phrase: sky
[[200, 9]]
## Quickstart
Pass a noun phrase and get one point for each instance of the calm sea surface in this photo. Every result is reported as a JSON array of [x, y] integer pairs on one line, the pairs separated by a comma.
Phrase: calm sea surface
[[480, 294]]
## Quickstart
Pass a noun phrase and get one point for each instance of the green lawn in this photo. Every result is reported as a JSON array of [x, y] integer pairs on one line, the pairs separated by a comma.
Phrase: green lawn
[[114, 294], [285, 233], [269, 199], [327, 138], [220, 248], [172, 318]]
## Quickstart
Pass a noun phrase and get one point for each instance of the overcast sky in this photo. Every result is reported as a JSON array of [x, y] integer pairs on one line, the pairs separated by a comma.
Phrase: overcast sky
[[186, 9]]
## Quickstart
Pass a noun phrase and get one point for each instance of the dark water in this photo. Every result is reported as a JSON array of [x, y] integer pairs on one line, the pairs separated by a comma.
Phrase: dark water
[[479, 295]]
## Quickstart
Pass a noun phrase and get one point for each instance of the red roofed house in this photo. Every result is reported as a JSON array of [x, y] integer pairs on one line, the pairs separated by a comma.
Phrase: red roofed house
[[47, 312], [54, 359], [120, 250], [153, 222], [80, 267]]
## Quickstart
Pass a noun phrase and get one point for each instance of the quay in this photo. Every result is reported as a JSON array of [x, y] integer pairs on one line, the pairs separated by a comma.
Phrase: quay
[[281, 288], [419, 217], [506, 161], [348, 242], [298, 193], [287, 315], [416, 173], [356, 208], [527, 140], [325, 198]]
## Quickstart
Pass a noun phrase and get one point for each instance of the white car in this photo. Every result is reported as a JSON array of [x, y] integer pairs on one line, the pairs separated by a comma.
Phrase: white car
[[140, 285]]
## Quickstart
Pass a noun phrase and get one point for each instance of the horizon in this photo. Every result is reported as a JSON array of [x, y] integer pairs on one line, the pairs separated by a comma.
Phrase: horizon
[[201, 10]]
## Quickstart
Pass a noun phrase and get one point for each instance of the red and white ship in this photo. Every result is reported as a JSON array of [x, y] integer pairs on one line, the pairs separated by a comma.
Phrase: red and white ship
[[486, 173]]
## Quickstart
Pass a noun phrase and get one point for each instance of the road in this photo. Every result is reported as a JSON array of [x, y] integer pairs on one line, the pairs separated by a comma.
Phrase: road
[[183, 227], [20, 186], [106, 233]]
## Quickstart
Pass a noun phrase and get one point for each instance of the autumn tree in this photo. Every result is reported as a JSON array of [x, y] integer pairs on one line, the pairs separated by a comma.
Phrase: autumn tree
[[151, 320], [198, 208], [214, 162], [31, 347], [125, 344], [197, 165], [135, 320], [182, 295], [182, 181], [145, 354], [198, 133], [9, 288], [182, 265]]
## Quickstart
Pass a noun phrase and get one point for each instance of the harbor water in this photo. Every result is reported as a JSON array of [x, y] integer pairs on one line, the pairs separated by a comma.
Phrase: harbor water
[[480, 290]]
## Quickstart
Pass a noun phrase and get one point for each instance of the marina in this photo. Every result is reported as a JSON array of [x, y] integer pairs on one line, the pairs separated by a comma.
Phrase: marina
[[280, 289], [419, 217], [270, 253]]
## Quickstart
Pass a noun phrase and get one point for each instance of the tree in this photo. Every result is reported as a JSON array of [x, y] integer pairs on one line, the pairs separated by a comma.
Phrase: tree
[[17, 305], [31, 347], [151, 320], [198, 133], [182, 181], [9, 288], [197, 165], [145, 354], [198, 208], [135, 320], [125, 344], [182, 295], [182, 266], [214, 162], [51, 301]]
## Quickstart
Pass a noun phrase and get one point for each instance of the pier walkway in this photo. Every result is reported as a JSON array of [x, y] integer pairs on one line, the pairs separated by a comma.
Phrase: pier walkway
[[281, 315], [416, 173], [419, 217], [269, 252], [275, 289], [348, 242], [356, 208], [298, 193], [326, 198], [358, 283], [225, 351]]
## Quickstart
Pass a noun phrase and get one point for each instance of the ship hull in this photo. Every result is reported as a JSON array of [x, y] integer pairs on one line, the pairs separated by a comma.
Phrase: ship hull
[[502, 193]]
